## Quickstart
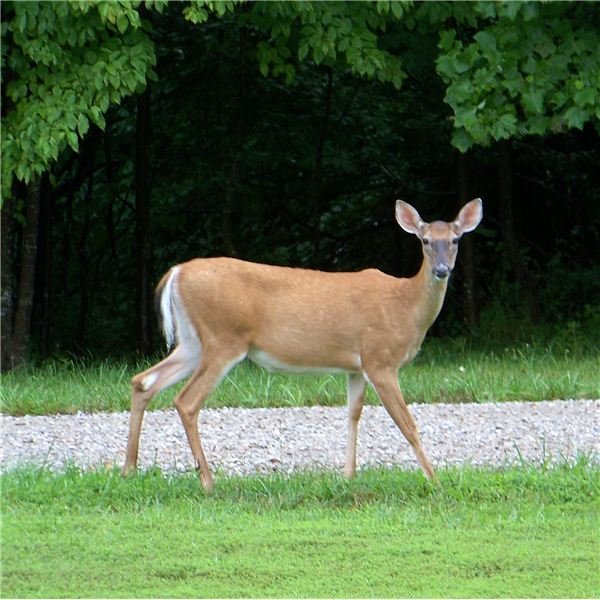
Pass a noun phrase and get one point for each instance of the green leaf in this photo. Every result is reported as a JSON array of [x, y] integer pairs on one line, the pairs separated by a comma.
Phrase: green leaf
[[220, 8], [97, 117], [122, 23], [72, 140], [318, 55], [302, 50], [104, 102], [576, 117], [445, 67], [487, 9], [461, 64], [511, 9], [586, 96], [195, 14], [486, 41], [21, 21], [461, 139], [90, 57], [538, 125], [461, 91], [397, 9], [82, 125], [533, 101], [447, 39], [508, 121], [465, 116]]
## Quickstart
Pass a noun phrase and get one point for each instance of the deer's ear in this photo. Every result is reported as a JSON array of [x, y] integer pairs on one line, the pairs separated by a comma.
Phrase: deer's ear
[[408, 218], [469, 216]]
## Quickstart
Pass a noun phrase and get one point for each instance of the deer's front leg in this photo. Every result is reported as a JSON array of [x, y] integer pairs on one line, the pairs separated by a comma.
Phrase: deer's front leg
[[355, 393], [388, 390]]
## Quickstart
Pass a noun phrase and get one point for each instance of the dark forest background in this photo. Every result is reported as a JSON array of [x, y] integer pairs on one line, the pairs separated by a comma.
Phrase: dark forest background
[[213, 158]]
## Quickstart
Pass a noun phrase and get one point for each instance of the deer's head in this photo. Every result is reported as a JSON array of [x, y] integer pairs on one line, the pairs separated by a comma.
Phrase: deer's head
[[440, 239]]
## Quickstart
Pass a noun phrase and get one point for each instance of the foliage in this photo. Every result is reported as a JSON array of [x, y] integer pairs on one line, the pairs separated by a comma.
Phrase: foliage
[[64, 64], [529, 69], [69, 61], [514, 533], [329, 33], [198, 11], [300, 167]]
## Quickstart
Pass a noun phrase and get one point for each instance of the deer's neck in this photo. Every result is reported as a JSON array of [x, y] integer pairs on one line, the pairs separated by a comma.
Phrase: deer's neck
[[430, 293]]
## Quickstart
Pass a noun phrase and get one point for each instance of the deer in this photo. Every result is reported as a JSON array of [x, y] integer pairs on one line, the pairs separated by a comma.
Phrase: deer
[[216, 312]]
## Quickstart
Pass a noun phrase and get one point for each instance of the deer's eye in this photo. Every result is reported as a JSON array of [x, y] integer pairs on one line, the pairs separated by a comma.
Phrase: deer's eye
[[455, 241], [425, 241]]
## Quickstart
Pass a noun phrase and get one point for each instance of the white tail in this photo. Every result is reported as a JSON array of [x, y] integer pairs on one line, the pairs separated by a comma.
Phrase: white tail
[[366, 324], [166, 309]]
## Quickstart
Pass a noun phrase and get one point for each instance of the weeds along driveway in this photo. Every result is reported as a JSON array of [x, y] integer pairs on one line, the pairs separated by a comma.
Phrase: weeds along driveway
[[266, 440]]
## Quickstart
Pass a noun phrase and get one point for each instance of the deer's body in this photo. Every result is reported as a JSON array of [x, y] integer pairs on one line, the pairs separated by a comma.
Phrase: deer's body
[[283, 316], [366, 324]]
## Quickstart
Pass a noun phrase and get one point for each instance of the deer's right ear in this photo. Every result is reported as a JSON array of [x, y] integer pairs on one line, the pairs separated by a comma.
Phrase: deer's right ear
[[408, 218]]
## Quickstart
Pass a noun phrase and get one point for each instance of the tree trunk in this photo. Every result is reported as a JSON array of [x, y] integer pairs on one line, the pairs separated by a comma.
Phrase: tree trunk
[[314, 189], [110, 222], [230, 192], [84, 264], [143, 301], [467, 251], [24, 303], [45, 265], [7, 279], [524, 278], [239, 133]]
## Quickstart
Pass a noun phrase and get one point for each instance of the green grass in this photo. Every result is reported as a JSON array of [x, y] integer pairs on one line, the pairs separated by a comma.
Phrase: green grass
[[389, 533], [522, 532], [445, 371]]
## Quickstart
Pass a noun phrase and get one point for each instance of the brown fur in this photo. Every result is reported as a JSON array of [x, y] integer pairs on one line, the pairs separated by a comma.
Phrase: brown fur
[[366, 324]]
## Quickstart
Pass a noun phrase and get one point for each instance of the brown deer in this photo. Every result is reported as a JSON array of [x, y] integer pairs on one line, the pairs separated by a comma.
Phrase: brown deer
[[219, 311]]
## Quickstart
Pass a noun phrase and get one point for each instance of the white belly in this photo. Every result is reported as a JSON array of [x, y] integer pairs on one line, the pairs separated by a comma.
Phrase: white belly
[[273, 364]]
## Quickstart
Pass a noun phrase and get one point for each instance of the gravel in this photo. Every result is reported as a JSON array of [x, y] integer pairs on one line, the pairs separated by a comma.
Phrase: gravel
[[244, 441]]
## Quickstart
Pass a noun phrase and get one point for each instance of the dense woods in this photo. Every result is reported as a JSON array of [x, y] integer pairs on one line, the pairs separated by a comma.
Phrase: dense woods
[[137, 135]]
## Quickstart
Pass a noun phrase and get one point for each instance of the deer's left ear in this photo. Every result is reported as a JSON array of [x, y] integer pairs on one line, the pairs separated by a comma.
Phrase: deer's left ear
[[469, 216]]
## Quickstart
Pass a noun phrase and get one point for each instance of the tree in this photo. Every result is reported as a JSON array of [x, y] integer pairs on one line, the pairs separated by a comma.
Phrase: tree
[[515, 70], [521, 68], [278, 134], [63, 65]]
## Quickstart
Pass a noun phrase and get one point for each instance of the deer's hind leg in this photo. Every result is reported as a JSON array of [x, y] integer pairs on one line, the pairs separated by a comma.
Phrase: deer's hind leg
[[144, 386], [217, 361]]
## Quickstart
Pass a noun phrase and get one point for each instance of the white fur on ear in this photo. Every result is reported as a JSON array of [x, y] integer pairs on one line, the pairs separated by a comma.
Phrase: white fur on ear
[[470, 216], [408, 218]]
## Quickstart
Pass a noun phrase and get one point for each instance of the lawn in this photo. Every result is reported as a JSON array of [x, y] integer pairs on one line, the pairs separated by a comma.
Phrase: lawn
[[513, 533], [444, 372], [519, 532]]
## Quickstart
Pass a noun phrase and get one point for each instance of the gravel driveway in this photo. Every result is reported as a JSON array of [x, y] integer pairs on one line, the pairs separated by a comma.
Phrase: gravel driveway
[[243, 441]]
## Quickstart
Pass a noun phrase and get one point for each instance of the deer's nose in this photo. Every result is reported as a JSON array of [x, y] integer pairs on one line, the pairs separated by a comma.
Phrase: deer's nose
[[441, 271]]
